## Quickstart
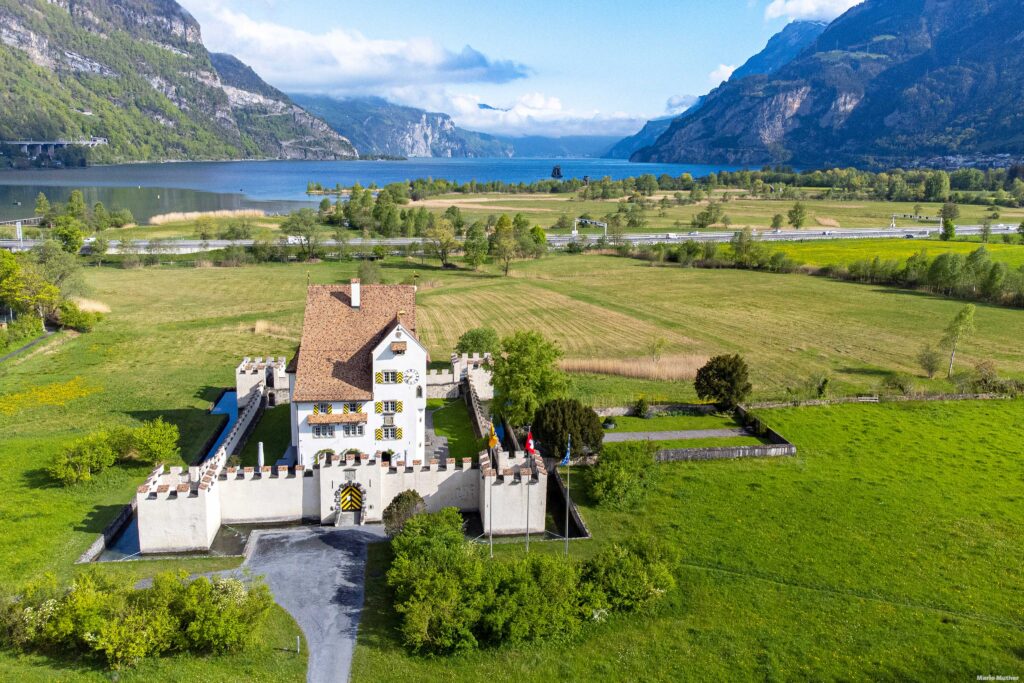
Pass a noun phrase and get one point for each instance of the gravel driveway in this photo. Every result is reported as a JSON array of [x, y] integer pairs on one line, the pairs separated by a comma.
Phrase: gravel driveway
[[317, 573]]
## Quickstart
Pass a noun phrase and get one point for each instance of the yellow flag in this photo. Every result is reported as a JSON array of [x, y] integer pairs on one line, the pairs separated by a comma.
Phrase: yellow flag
[[492, 439]]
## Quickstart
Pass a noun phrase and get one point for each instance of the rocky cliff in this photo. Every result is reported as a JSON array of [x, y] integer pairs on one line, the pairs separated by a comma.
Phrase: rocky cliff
[[781, 49], [136, 72], [888, 83], [378, 127]]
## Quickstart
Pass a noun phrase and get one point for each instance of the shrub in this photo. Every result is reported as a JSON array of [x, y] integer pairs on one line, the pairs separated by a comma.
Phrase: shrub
[[725, 380], [641, 408], [451, 600], [83, 459], [103, 616], [624, 474], [70, 315], [898, 383], [370, 273], [153, 442], [397, 513], [930, 360], [220, 613], [557, 420], [630, 578]]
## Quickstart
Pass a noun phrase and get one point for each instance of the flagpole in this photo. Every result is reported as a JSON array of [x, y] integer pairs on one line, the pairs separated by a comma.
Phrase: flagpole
[[529, 477], [568, 473]]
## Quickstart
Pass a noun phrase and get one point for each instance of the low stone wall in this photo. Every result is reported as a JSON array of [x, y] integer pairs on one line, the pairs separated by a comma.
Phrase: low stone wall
[[730, 453], [661, 409], [878, 399], [442, 384]]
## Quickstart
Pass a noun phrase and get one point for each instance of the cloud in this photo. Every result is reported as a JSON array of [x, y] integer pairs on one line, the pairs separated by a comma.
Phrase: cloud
[[677, 104], [721, 74], [531, 113], [340, 60], [808, 9]]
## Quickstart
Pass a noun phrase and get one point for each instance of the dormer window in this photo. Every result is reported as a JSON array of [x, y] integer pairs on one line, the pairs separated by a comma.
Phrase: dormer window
[[399, 348]]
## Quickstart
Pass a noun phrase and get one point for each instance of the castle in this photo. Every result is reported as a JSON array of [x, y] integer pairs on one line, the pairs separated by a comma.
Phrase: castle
[[357, 391]]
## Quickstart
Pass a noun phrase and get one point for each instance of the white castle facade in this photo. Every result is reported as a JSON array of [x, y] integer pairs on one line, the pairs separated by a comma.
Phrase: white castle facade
[[357, 392]]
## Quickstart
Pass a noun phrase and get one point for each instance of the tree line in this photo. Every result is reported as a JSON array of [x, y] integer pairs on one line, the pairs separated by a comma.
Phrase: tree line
[[995, 186]]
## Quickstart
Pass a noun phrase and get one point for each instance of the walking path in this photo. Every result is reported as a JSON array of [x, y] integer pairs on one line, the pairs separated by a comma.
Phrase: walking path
[[618, 437], [26, 347], [436, 446]]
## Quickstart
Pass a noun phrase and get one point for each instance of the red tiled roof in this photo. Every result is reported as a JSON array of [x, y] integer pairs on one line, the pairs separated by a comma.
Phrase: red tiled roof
[[335, 362]]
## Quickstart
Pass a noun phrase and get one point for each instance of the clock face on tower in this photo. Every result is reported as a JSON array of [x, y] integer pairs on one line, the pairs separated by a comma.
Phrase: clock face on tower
[[412, 376]]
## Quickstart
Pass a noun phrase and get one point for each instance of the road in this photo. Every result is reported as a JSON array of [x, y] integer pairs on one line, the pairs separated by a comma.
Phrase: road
[[317, 574], [189, 246]]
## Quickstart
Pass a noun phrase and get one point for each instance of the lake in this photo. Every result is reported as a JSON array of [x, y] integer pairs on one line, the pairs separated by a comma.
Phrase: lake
[[279, 186]]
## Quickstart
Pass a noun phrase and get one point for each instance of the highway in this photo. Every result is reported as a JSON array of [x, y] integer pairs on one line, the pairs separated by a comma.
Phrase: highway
[[192, 246]]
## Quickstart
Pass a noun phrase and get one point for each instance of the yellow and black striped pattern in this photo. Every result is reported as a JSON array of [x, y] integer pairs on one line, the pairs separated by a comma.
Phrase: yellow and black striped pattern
[[351, 499]]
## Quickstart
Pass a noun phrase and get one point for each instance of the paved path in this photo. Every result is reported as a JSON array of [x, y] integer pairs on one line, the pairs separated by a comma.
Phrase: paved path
[[26, 347], [436, 446], [317, 574], [617, 437]]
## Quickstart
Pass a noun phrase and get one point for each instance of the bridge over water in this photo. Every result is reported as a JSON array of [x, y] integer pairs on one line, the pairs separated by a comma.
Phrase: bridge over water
[[37, 147]]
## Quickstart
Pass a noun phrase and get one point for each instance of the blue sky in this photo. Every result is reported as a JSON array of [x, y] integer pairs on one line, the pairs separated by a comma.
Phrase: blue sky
[[569, 67]]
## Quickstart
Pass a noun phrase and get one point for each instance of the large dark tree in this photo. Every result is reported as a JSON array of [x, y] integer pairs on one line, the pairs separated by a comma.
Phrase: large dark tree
[[724, 380], [556, 420]]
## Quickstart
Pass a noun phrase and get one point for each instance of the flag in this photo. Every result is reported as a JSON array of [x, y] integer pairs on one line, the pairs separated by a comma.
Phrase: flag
[[492, 438], [568, 450], [530, 448]]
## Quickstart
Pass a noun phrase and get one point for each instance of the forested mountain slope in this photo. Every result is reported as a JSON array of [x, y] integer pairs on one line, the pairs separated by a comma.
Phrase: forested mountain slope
[[136, 72]]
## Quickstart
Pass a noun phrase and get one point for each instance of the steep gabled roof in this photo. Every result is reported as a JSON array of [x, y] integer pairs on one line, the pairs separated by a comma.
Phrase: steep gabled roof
[[335, 362]]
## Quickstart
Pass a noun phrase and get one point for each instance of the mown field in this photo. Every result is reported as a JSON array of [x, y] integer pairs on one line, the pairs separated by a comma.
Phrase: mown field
[[844, 252], [175, 335], [758, 213], [887, 549]]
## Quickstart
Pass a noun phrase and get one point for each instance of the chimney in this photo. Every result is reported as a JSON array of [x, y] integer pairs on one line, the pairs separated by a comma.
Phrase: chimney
[[354, 296]]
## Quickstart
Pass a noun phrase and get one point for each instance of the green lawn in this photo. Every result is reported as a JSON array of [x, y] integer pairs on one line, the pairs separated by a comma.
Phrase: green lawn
[[671, 423], [175, 335], [888, 549], [453, 421], [844, 252], [275, 431]]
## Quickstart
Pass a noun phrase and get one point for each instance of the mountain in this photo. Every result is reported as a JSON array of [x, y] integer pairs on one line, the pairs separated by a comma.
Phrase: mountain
[[568, 146], [648, 135], [136, 73], [890, 82], [378, 127], [781, 49], [275, 123]]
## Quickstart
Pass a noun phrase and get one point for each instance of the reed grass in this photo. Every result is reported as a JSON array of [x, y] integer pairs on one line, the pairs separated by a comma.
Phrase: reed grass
[[671, 368], [183, 216]]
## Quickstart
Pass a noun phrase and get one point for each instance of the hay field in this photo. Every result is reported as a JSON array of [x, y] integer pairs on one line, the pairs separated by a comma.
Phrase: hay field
[[842, 252]]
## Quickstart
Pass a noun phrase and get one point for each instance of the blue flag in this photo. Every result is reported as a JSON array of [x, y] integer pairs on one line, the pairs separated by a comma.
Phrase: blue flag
[[568, 449]]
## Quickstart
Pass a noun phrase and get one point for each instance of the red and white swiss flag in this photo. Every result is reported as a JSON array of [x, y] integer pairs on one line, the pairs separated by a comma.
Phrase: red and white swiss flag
[[530, 448]]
